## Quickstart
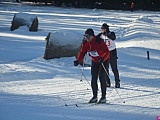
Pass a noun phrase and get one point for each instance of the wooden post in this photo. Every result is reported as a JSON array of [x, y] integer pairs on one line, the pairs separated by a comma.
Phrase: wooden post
[[148, 58]]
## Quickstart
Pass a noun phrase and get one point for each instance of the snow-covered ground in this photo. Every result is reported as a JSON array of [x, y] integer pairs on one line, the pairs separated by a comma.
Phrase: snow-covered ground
[[32, 88]]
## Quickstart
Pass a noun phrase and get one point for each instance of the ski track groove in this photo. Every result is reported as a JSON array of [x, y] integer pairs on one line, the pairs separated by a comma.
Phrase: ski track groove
[[50, 93], [46, 91]]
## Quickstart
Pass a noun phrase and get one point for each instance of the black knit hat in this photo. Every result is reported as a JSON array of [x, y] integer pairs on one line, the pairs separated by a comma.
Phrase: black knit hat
[[89, 31], [105, 26]]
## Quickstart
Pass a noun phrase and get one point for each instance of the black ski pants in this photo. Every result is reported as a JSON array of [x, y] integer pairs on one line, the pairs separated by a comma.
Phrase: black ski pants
[[113, 64], [97, 70]]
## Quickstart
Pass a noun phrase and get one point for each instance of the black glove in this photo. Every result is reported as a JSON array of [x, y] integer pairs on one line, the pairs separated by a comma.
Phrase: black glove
[[112, 35], [105, 33], [76, 63], [101, 60], [98, 38], [84, 41]]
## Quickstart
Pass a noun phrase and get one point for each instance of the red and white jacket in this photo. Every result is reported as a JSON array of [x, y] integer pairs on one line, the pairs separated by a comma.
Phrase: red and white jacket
[[96, 50]]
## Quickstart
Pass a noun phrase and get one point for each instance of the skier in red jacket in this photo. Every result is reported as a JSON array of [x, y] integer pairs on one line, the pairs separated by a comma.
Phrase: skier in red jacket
[[132, 6], [99, 53]]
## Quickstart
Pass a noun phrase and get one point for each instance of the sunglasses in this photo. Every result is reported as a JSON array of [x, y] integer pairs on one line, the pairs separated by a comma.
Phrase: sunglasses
[[87, 36]]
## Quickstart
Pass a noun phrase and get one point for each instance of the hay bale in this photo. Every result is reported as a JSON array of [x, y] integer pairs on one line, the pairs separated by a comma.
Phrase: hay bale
[[34, 25], [22, 19], [63, 43]]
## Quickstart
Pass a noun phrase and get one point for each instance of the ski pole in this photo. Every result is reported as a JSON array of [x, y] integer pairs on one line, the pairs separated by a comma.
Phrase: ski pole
[[109, 77], [105, 70], [82, 72], [82, 75]]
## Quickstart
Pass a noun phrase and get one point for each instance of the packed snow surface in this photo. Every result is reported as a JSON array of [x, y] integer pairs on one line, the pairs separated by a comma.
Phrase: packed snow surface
[[32, 88]]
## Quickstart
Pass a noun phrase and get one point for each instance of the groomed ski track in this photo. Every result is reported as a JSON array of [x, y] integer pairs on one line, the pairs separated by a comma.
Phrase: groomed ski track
[[68, 89]]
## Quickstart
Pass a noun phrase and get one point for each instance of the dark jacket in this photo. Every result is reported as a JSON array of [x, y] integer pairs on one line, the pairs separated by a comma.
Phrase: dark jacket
[[110, 35]]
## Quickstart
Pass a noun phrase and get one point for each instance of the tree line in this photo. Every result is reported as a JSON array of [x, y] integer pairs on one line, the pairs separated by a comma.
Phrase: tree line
[[105, 4]]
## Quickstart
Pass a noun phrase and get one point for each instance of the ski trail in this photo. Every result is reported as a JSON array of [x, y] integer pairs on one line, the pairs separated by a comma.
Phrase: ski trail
[[61, 89]]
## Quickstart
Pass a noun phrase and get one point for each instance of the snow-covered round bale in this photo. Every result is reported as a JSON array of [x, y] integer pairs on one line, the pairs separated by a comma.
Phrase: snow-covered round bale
[[63, 43], [23, 19]]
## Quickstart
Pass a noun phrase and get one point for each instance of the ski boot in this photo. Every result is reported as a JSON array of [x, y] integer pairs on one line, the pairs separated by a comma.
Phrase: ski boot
[[93, 100]]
